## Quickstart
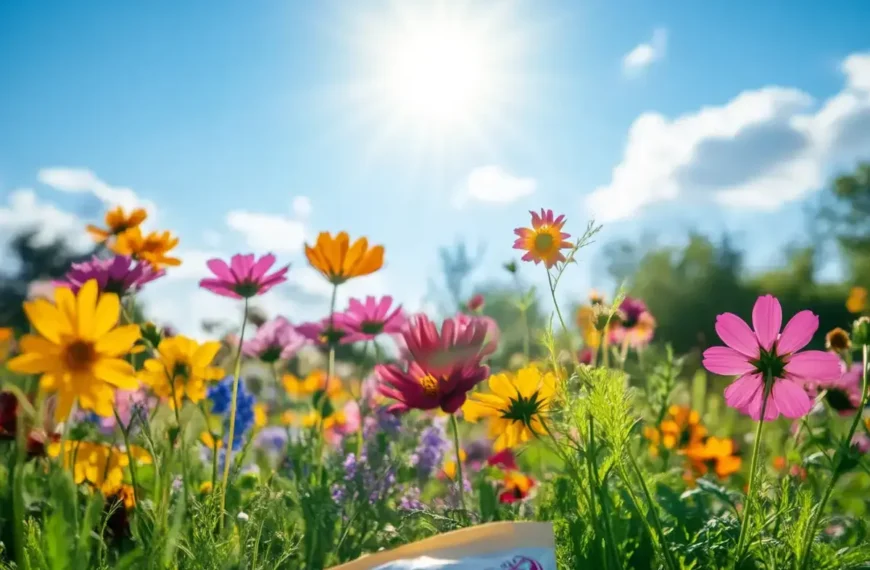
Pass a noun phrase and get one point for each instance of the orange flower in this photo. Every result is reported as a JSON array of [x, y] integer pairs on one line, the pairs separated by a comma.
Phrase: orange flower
[[516, 487], [717, 454], [338, 260], [153, 248], [316, 380], [117, 222], [857, 300], [545, 240], [5, 343], [680, 429]]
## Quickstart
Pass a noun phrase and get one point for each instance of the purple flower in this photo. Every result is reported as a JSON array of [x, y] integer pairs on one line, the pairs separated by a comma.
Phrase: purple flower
[[430, 451], [272, 439], [410, 501], [323, 333], [366, 320], [119, 275], [274, 339]]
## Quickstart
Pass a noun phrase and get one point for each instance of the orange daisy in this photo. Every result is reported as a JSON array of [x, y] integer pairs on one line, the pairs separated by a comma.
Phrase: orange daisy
[[545, 240], [338, 260], [153, 248], [681, 429], [716, 454], [117, 222]]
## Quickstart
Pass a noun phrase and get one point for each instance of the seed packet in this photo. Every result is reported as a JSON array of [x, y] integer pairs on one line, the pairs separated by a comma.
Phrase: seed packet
[[494, 546]]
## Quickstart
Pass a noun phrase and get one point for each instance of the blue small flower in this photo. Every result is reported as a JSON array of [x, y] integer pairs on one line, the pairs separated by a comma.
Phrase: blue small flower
[[221, 396]]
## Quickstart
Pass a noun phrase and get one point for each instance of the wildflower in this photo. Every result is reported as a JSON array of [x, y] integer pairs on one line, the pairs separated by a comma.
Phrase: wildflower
[[504, 460], [327, 333], [490, 327], [444, 368], [261, 415], [78, 349], [838, 340], [244, 277], [181, 369], [545, 240], [117, 222], [861, 443], [713, 454], [338, 260], [314, 382], [129, 405], [430, 450], [410, 501], [680, 429], [117, 508], [781, 464], [515, 406], [596, 298], [101, 466], [449, 468], [365, 320], [843, 394], [587, 319], [857, 301], [272, 438], [585, 355], [515, 487], [633, 324], [274, 340], [768, 364], [6, 340], [221, 395], [153, 248], [336, 423], [475, 304], [205, 488], [119, 275]]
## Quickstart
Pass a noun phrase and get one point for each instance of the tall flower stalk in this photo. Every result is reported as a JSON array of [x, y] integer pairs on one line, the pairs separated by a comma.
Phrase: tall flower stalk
[[237, 372], [753, 475]]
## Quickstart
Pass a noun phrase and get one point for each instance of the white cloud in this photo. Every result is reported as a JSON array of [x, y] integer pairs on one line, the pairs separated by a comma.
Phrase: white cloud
[[301, 206], [24, 211], [493, 184], [268, 232], [81, 180], [643, 55], [760, 150]]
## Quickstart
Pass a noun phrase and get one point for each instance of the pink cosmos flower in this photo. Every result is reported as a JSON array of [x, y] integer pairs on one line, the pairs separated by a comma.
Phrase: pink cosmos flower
[[633, 324], [119, 275], [842, 394], [443, 366], [244, 277], [274, 339], [766, 360], [366, 320], [323, 333]]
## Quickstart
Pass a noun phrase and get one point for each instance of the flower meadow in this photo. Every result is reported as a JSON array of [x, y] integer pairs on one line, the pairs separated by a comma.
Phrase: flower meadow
[[303, 445]]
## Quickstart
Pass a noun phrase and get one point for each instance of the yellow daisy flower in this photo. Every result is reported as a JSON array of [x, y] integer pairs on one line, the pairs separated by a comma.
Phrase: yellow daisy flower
[[181, 369], [99, 465], [79, 350], [515, 407], [261, 416]]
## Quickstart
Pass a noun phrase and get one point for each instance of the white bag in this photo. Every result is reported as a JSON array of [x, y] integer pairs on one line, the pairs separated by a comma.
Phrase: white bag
[[494, 546]]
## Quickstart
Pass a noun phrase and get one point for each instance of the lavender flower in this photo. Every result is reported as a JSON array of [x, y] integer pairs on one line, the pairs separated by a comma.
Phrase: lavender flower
[[410, 501], [430, 451]]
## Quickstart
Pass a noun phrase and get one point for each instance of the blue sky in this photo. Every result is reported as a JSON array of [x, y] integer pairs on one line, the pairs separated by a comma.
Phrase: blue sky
[[223, 115]]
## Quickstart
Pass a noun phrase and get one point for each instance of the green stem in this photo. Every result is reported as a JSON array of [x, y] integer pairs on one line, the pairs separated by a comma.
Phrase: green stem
[[809, 536], [460, 480], [330, 372], [229, 453], [559, 313], [126, 435], [593, 480], [753, 469], [651, 505]]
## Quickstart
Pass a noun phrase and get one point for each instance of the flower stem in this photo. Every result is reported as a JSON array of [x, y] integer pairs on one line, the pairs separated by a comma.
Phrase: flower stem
[[809, 536], [753, 469], [125, 433], [460, 480], [651, 505], [559, 313], [229, 453], [330, 372]]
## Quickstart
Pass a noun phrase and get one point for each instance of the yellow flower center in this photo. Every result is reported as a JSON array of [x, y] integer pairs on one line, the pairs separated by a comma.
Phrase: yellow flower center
[[80, 355], [429, 384], [544, 241]]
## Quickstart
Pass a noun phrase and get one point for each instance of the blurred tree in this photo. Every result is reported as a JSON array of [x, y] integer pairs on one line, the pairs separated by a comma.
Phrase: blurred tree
[[846, 211], [457, 266], [30, 262]]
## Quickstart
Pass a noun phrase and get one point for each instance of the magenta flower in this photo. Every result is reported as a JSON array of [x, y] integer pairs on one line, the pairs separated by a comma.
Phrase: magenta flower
[[442, 367], [244, 277], [323, 333], [118, 274], [493, 334], [769, 362], [274, 339], [366, 320], [633, 324], [842, 394], [475, 304]]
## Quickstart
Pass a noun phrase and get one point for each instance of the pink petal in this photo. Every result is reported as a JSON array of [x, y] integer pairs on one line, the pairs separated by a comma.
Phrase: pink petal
[[798, 332], [259, 269], [736, 333], [767, 320], [219, 287], [726, 361], [743, 390], [220, 269], [814, 365], [791, 399], [771, 411]]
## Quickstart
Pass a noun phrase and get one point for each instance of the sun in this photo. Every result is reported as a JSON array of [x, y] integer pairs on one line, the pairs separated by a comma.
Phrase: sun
[[437, 74]]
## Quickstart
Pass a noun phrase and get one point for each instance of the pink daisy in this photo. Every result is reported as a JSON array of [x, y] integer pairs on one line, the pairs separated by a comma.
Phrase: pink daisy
[[366, 320], [842, 394], [324, 333], [244, 277], [119, 275], [274, 339], [765, 353]]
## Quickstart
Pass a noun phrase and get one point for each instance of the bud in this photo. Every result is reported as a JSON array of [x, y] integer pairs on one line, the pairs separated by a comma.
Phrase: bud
[[585, 356], [511, 267], [475, 304], [596, 298], [838, 340], [861, 331]]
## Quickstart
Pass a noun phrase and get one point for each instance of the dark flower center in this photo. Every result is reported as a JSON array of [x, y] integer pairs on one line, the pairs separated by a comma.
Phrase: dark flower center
[[839, 400], [372, 327], [523, 409], [770, 364], [180, 369], [80, 355], [331, 336], [429, 384], [246, 288], [543, 241], [271, 354]]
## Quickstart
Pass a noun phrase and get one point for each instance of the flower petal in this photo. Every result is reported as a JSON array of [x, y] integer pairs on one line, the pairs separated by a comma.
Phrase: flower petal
[[798, 332], [767, 320], [742, 391], [726, 361], [814, 365], [791, 399], [736, 333]]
